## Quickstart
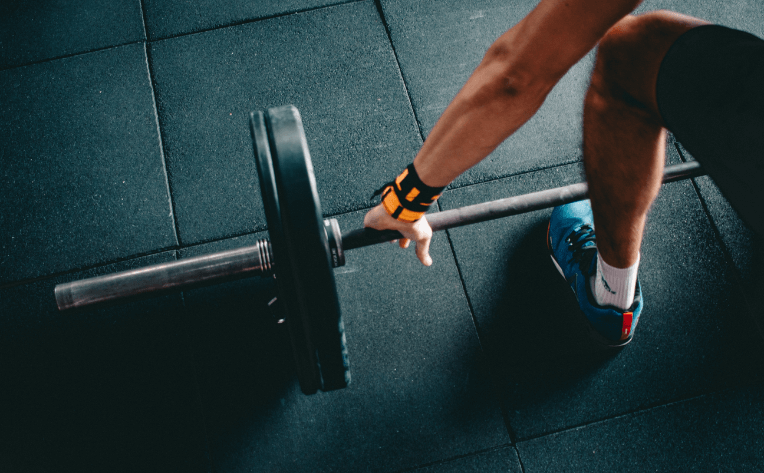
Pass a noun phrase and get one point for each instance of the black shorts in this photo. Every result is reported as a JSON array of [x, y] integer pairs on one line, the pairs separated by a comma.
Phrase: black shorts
[[710, 92]]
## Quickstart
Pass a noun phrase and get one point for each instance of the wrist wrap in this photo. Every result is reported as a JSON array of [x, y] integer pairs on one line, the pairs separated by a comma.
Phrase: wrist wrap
[[407, 198]]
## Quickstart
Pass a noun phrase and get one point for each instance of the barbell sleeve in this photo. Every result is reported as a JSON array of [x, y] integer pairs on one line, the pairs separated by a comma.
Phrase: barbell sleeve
[[503, 208], [167, 277]]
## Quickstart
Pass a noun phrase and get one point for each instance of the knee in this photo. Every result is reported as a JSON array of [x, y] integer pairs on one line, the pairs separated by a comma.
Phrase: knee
[[639, 41], [630, 54], [625, 46]]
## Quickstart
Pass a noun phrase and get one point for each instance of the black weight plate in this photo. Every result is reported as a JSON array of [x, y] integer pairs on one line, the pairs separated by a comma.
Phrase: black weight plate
[[303, 349], [307, 246]]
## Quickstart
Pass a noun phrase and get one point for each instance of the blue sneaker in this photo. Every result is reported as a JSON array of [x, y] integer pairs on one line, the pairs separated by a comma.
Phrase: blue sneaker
[[573, 248]]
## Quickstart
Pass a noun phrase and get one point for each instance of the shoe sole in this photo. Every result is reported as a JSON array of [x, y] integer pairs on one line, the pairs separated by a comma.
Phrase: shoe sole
[[593, 333]]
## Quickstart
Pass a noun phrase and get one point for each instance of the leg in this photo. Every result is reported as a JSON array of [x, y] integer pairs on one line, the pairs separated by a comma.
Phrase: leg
[[624, 138], [659, 70], [624, 141]]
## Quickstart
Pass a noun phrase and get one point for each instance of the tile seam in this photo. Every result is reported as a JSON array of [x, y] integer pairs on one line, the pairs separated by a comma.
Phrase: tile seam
[[519, 460], [450, 459], [79, 269], [159, 128], [143, 20], [72, 55], [738, 278], [251, 20], [476, 326], [176, 252], [383, 19], [521, 173], [639, 411]]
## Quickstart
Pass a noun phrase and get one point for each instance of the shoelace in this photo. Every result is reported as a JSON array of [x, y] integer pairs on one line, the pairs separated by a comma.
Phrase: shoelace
[[583, 253]]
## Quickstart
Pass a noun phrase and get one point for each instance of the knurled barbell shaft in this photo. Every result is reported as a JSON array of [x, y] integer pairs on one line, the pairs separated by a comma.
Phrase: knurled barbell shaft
[[503, 208], [251, 260]]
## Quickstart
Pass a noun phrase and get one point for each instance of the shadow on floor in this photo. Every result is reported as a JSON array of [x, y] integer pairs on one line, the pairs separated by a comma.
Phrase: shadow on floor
[[530, 336], [242, 355]]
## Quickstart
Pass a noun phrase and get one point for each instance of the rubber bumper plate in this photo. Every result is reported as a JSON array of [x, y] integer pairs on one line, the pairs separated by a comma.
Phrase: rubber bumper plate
[[303, 262]]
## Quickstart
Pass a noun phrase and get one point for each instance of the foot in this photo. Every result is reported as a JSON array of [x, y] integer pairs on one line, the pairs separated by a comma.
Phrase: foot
[[573, 248]]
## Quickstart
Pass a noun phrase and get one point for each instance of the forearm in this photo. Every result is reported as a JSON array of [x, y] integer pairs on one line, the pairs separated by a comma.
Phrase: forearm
[[482, 115], [512, 81]]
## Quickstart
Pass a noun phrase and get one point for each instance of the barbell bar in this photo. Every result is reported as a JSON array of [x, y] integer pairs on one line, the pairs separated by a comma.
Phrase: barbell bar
[[257, 259], [302, 250]]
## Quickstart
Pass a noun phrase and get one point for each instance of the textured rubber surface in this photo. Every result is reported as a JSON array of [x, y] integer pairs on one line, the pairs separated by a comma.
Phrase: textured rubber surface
[[302, 347], [301, 250]]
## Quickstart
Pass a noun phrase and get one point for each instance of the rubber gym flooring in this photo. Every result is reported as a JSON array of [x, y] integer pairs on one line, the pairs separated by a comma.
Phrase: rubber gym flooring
[[125, 142]]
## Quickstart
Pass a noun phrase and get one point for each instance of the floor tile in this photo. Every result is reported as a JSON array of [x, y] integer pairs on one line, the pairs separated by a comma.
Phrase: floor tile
[[82, 165], [334, 64], [500, 460], [739, 240], [744, 247], [111, 389], [173, 17], [692, 336], [205, 381], [741, 244], [719, 432], [418, 392], [34, 31], [439, 45]]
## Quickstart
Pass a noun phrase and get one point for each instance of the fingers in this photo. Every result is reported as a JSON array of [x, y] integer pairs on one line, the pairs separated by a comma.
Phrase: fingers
[[420, 231], [423, 251], [423, 237]]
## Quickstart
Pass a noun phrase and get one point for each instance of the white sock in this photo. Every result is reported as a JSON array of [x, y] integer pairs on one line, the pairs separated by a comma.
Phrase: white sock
[[615, 286]]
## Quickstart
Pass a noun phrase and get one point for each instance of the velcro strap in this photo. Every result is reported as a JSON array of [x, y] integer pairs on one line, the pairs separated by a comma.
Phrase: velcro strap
[[407, 198]]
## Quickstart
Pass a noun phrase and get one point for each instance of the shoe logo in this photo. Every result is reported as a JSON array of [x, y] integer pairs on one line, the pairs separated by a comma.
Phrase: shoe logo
[[627, 319], [606, 285]]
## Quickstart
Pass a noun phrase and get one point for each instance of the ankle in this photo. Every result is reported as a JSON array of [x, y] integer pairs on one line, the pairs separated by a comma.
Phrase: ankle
[[613, 286]]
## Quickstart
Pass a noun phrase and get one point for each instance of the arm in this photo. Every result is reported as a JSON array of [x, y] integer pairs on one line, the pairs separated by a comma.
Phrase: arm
[[507, 88]]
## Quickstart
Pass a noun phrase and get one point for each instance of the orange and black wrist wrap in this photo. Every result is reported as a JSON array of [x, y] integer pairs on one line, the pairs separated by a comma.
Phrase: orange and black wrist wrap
[[407, 198]]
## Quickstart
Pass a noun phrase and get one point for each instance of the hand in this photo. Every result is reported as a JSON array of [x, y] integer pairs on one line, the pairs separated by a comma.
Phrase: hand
[[419, 231]]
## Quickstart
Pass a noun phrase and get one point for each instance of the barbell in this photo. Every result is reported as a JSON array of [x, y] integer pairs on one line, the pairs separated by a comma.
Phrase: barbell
[[302, 251]]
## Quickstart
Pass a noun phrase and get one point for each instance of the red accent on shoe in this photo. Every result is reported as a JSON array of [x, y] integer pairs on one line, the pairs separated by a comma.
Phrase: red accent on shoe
[[627, 318]]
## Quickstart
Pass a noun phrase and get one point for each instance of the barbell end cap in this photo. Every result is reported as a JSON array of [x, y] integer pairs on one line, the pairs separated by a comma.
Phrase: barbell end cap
[[64, 298]]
